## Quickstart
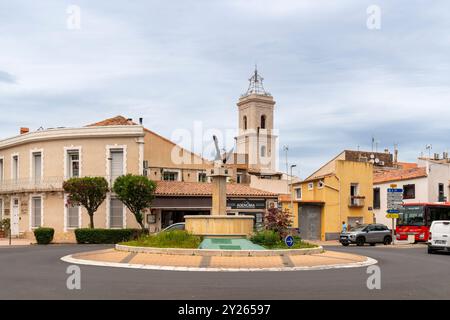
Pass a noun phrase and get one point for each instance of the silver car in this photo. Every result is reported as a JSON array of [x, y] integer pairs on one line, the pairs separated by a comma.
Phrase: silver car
[[366, 233]]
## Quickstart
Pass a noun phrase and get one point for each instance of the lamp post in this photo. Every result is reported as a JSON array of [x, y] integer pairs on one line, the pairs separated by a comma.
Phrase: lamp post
[[292, 189], [286, 149]]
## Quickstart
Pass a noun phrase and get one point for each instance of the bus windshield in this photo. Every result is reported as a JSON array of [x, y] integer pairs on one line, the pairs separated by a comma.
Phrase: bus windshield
[[411, 216]]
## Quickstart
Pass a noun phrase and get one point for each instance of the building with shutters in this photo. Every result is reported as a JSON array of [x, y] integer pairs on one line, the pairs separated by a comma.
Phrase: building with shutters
[[426, 181], [341, 190], [34, 165]]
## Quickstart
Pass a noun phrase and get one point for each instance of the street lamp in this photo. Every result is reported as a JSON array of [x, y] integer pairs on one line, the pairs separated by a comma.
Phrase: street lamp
[[292, 189]]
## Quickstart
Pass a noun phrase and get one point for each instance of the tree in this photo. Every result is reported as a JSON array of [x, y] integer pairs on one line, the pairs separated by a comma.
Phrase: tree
[[278, 220], [89, 192], [137, 193]]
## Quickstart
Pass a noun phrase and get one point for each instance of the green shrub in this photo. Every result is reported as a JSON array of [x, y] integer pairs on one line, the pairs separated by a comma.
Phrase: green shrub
[[266, 238], [168, 239], [105, 236], [272, 240], [44, 235]]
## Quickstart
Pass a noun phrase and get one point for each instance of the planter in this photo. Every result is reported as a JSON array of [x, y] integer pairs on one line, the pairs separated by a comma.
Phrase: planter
[[2, 234]]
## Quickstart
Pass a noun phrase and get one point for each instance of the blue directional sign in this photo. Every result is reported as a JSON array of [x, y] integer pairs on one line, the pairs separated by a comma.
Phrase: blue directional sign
[[289, 240], [393, 211], [394, 190]]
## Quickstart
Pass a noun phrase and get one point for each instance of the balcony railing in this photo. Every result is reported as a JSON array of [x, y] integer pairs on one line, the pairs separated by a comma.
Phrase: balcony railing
[[356, 201], [27, 184]]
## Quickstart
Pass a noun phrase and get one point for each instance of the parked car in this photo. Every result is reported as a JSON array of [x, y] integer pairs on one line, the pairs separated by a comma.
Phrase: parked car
[[439, 238], [175, 226], [367, 233]]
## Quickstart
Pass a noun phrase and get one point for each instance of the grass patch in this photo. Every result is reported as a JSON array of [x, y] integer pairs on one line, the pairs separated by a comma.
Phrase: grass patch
[[169, 239], [271, 240]]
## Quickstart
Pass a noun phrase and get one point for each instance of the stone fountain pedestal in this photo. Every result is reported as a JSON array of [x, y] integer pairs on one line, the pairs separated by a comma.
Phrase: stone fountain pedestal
[[219, 224]]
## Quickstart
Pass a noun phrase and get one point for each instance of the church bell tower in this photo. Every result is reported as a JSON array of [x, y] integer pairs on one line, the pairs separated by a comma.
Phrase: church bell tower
[[256, 137]]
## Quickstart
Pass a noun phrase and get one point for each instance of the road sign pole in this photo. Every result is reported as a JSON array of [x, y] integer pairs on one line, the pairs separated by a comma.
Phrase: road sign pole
[[392, 231]]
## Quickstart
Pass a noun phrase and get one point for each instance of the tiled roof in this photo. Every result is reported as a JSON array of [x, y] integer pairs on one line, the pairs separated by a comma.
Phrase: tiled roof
[[381, 176], [407, 165], [116, 121], [177, 188]]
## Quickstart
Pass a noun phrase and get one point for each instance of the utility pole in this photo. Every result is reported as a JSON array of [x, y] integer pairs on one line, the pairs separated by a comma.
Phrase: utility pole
[[292, 190], [286, 149]]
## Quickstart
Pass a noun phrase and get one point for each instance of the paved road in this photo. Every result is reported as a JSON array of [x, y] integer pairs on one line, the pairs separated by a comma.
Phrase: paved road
[[35, 272]]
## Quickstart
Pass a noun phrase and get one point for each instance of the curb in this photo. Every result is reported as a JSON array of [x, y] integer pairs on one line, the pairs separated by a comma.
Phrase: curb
[[222, 253], [72, 260]]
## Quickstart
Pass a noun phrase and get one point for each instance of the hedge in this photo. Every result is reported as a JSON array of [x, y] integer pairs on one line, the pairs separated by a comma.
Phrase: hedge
[[44, 235], [106, 236]]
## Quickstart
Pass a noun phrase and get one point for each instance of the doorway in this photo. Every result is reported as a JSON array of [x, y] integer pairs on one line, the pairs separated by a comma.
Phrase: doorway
[[15, 216], [310, 222]]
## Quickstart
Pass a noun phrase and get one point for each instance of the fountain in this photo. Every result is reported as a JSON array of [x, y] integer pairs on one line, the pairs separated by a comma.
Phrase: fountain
[[219, 224]]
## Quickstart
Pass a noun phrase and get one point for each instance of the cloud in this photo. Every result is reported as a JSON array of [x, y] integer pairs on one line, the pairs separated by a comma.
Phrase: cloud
[[7, 77], [336, 83]]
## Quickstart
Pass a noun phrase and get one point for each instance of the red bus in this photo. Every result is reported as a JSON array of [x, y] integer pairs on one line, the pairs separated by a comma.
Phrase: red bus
[[416, 218]]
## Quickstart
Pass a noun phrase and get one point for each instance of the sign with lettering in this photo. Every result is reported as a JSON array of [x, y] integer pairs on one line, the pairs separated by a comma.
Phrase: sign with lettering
[[394, 200], [246, 204]]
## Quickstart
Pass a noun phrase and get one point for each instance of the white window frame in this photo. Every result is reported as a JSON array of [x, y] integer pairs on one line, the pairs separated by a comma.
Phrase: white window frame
[[178, 172], [301, 193], [310, 186], [2, 208], [320, 184], [12, 167], [66, 216], [66, 166], [108, 162], [108, 213], [32, 168], [31, 213], [2, 166]]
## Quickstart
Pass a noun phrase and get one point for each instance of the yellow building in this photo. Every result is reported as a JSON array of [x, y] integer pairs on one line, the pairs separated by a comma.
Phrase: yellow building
[[341, 190]]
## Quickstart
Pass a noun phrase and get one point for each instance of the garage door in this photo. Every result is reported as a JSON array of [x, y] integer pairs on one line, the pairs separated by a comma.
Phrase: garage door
[[309, 222]]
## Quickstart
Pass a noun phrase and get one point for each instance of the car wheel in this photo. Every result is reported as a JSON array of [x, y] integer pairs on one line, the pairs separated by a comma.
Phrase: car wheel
[[345, 244], [387, 240], [360, 241], [373, 244], [430, 251]]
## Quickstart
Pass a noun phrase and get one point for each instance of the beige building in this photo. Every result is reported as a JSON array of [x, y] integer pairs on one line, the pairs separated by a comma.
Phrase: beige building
[[34, 165]]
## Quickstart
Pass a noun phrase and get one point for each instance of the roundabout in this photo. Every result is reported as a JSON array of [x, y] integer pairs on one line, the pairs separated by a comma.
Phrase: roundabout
[[219, 260]]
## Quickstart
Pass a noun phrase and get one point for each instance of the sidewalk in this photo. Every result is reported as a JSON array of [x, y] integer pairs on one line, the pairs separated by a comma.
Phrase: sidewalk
[[397, 244], [114, 258], [4, 242]]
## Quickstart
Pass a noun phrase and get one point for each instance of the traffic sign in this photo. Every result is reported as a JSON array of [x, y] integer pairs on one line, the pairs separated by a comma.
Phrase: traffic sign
[[289, 240], [394, 199], [392, 215]]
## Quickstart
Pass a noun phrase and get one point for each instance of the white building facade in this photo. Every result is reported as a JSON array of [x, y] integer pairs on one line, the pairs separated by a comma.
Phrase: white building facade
[[426, 181]]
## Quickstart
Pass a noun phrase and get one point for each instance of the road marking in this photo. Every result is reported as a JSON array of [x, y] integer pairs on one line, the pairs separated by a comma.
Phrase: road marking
[[129, 257]]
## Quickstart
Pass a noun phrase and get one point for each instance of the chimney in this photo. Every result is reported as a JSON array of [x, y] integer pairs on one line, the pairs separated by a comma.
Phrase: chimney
[[395, 155], [141, 121], [386, 150], [24, 130]]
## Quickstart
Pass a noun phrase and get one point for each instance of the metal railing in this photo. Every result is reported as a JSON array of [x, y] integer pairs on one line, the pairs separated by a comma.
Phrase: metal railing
[[27, 184], [356, 201]]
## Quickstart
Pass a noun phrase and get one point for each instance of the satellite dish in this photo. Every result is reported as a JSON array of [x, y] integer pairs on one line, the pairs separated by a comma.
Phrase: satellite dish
[[377, 160], [372, 156]]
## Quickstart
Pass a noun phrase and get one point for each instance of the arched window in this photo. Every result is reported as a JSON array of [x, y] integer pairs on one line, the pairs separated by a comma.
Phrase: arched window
[[245, 122], [263, 151], [263, 122]]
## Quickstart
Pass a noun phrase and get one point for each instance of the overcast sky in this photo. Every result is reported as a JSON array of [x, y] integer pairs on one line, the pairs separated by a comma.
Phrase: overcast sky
[[335, 81]]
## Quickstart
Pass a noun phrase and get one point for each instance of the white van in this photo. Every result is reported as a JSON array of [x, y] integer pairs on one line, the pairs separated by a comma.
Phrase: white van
[[439, 236]]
